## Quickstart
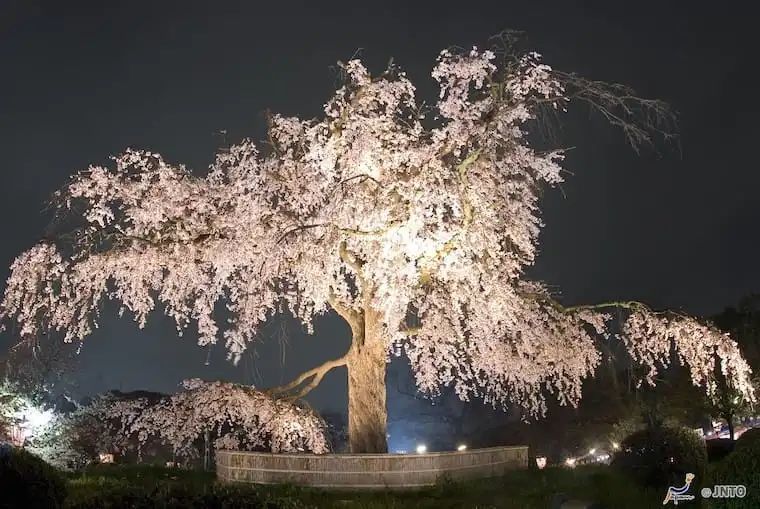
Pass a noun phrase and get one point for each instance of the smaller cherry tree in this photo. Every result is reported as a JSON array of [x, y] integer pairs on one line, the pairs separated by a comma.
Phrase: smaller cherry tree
[[230, 416]]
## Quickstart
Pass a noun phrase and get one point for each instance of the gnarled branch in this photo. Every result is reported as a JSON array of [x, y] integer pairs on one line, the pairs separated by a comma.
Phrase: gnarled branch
[[315, 374]]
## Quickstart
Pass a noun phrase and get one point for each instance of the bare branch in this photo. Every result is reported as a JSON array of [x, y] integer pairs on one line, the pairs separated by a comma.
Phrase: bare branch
[[641, 120], [316, 374]]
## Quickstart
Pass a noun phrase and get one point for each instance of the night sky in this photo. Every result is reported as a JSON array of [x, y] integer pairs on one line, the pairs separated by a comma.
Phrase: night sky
[[675, 228]]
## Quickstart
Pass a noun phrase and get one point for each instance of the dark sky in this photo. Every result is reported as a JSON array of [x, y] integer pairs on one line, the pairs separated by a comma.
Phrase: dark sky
[[81, 81]]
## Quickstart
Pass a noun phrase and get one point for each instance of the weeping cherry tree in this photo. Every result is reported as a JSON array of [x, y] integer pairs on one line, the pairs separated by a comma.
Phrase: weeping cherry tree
[[414, 224]]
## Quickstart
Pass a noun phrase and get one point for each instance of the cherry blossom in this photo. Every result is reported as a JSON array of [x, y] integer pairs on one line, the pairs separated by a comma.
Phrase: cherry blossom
[[236, 416]]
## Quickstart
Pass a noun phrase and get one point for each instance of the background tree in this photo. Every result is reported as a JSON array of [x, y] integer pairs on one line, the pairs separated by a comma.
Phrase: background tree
[[743, 323], [414, 225]]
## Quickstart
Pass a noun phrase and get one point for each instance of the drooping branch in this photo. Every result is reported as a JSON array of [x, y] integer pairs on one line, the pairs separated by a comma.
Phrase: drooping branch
[[630, 305], [653, 337]]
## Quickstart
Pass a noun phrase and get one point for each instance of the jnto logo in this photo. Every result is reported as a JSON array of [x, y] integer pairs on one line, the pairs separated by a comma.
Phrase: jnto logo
[[679, 494]]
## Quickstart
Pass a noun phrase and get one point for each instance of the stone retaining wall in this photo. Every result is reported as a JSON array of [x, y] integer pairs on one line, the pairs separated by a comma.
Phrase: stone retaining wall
[[370, 471]]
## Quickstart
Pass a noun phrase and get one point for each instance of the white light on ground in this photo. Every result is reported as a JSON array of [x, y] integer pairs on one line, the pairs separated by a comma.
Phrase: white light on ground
[[461, 447], [421, 449]]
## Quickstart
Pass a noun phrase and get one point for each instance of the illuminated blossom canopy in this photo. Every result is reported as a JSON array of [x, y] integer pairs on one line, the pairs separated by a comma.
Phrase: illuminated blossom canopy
[[425, 220]]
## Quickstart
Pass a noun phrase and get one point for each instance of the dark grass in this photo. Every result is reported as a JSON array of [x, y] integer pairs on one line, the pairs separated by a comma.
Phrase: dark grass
[[109, 486]]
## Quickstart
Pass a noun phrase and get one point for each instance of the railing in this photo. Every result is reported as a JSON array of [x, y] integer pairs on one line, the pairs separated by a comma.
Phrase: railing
[[367, 471]]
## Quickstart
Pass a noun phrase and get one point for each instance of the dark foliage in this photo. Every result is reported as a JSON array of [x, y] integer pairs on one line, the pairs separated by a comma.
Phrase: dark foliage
[[750, 439], [145, 486], [719, 448], [662, 456], [28, 482], [130, 486], [116, 496], [740, 467]]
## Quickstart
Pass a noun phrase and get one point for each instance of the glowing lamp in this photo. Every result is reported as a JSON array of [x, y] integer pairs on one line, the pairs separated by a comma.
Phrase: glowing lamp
[[462, 447], [421, 449]]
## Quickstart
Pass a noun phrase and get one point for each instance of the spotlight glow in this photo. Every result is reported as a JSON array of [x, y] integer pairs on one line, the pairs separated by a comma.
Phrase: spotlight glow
[[421, 449], [33, 420], [462, 447]]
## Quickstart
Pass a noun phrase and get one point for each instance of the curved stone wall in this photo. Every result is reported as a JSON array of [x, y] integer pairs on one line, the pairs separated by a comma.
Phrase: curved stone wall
[[368, 471]]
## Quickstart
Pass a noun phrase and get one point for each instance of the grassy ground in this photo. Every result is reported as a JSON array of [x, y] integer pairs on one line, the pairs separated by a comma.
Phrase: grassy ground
[[130, 486]]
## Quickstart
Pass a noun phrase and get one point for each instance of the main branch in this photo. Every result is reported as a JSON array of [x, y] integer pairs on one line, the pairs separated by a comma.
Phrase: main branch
[[315, 375]]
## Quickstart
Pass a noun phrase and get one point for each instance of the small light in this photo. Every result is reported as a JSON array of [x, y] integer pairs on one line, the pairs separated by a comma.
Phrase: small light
[[592, 451], [105, 457], [540, 462], [615, 445], [461, 447], [421, 449], [570, 462]]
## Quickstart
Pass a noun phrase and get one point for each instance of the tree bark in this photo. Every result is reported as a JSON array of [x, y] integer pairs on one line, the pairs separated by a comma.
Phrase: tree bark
[[730, 420], [366, 366]]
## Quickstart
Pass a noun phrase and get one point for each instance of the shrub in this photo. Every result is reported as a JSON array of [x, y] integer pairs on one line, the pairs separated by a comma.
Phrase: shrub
[[740, 467], [719, 448], [750, 438], [105, 493], [28, 482], [662, 456]]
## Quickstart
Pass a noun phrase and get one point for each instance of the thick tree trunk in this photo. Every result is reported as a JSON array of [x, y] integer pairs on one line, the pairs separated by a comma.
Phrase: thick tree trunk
[[367, 413]]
